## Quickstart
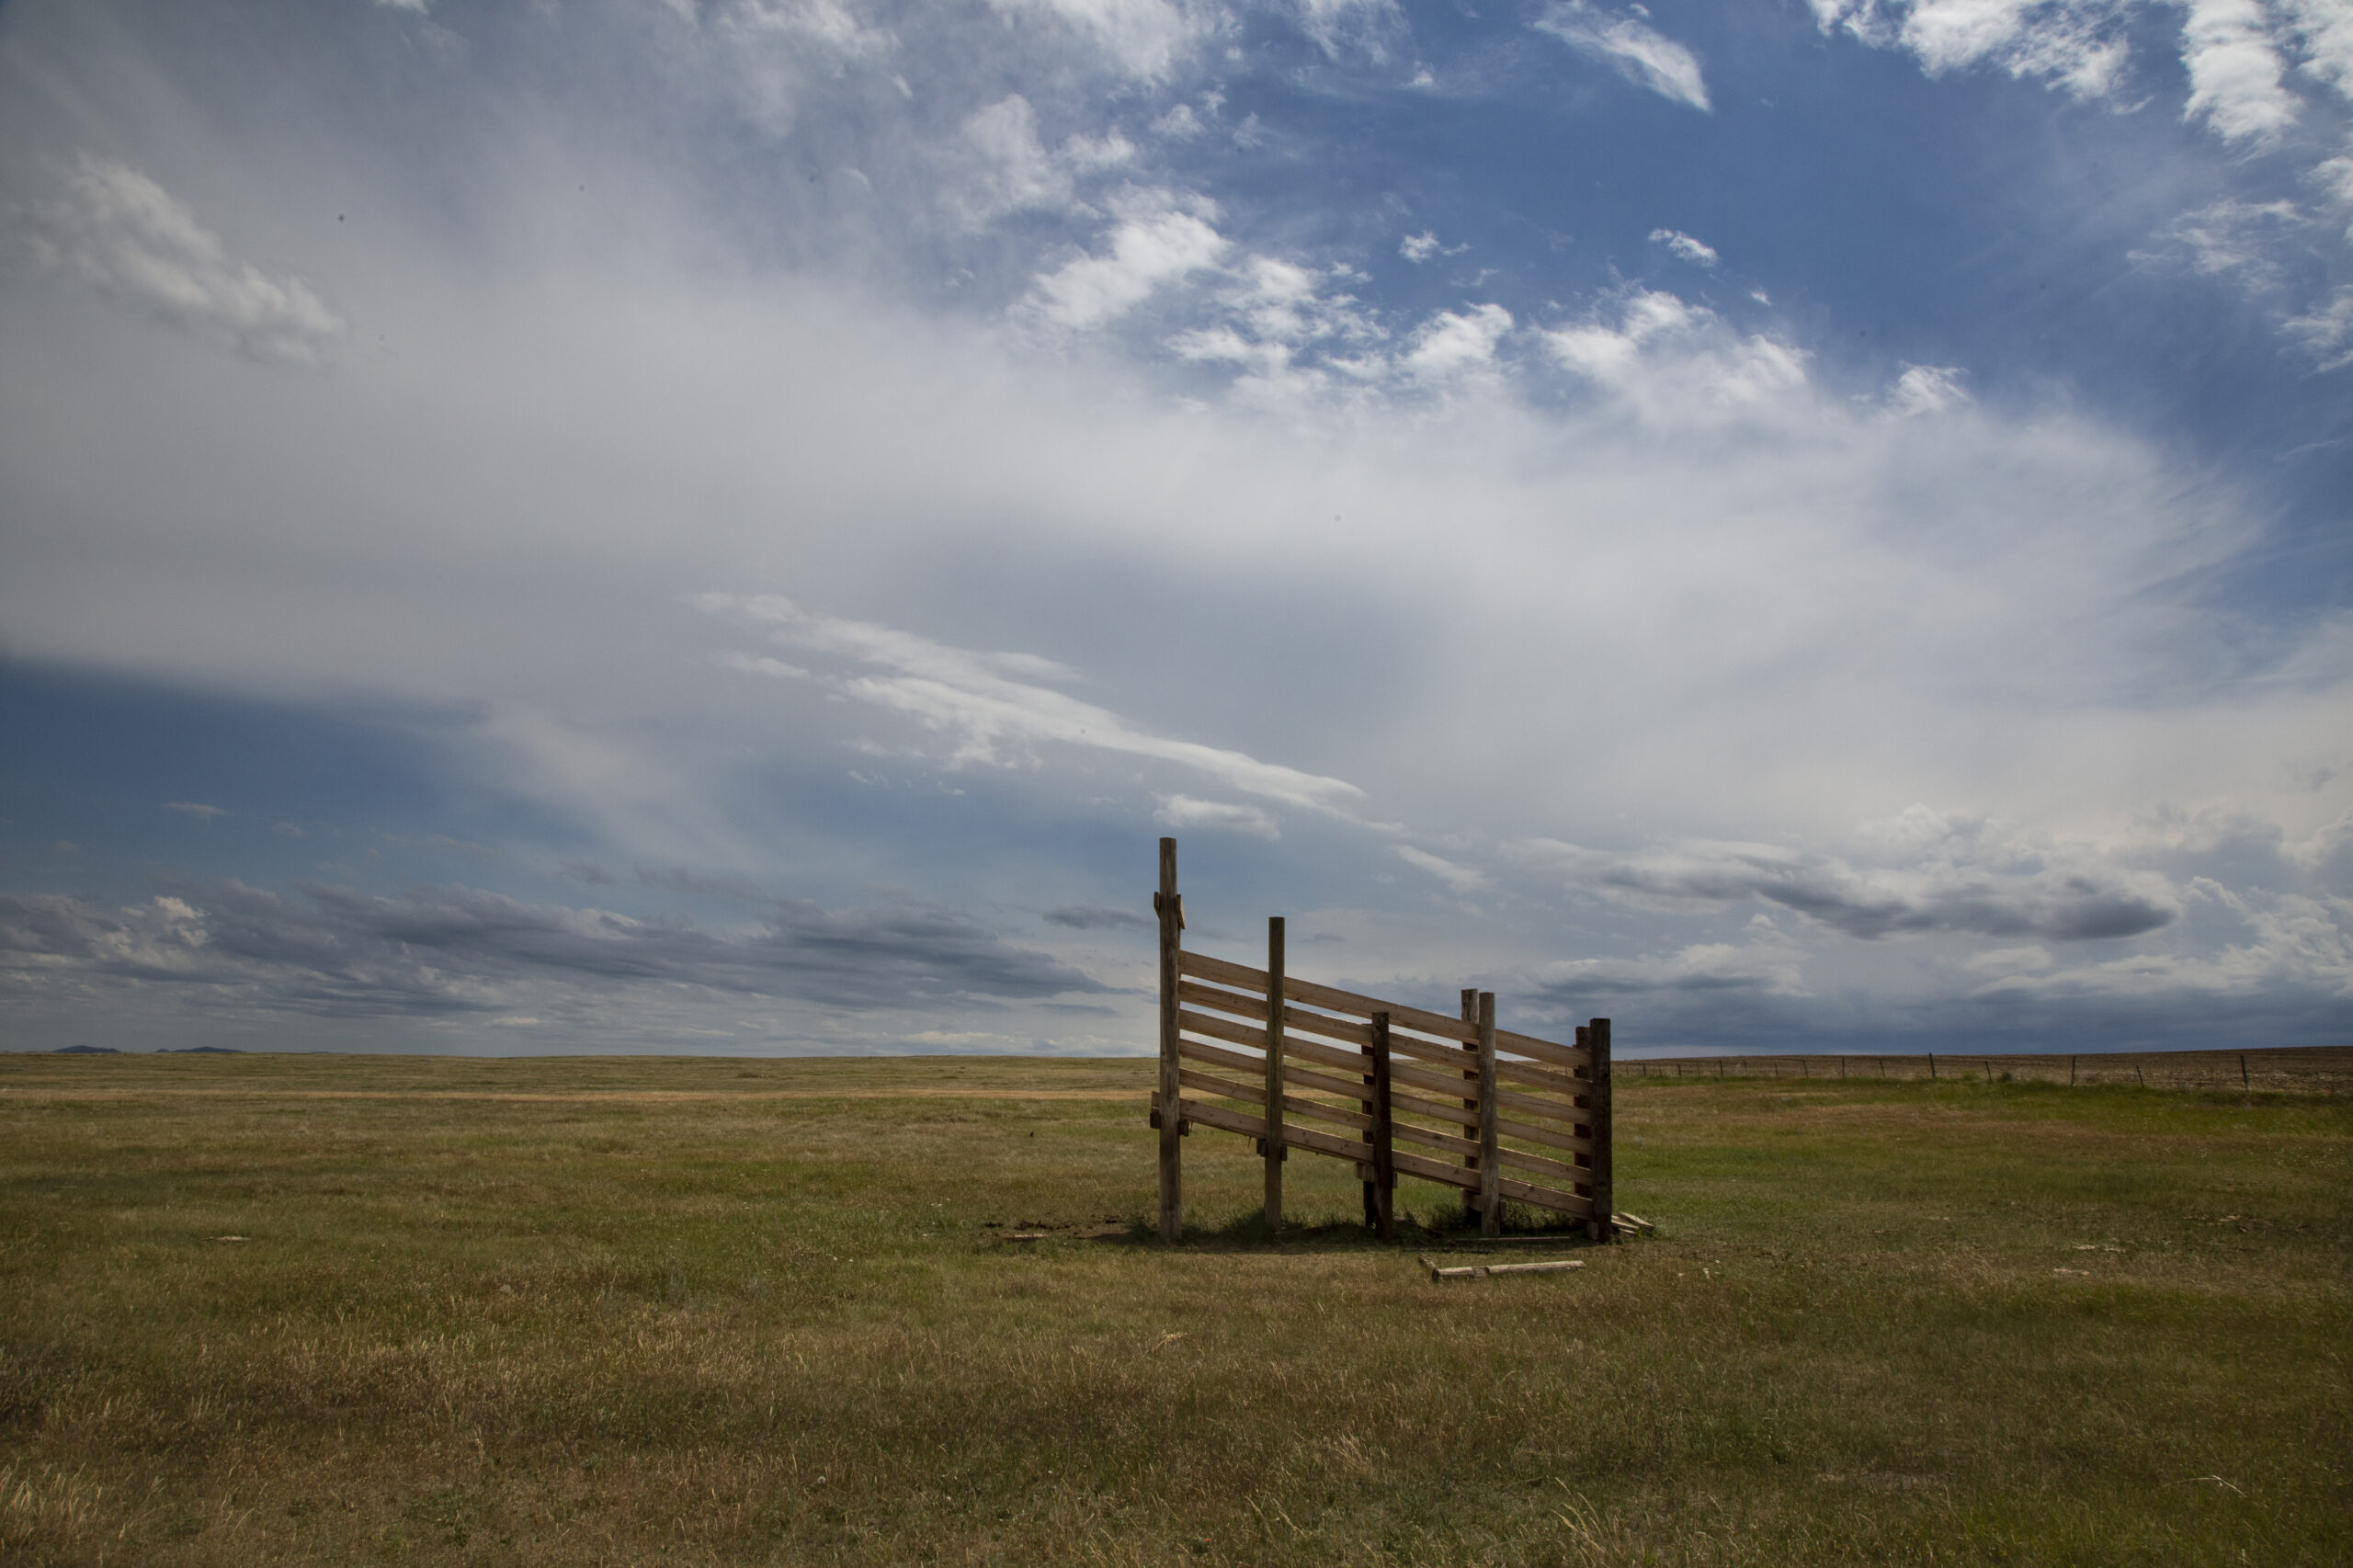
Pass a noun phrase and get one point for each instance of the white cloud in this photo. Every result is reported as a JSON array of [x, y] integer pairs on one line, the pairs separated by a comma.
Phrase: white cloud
[[999, 719], [1006, 169], [136, 244], [1927, 389], [2326, 332], [1184, 811], [1418, 247], [1458, 878], [2324, 31], [1668, 362], [1146, 252], [2235, 71], [2233, 239], [196, 809], [1454, 343], [1767, 963], [1685, 247], [1632, 48], [1145, 37], [2076, 44]]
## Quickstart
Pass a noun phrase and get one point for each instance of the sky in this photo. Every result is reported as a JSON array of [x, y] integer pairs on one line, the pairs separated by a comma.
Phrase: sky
[[735, 526]]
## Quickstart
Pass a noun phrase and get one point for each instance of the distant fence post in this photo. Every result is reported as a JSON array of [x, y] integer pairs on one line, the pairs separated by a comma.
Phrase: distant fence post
[[1932, 1067], [1384, 1163], [1275, 1151], [1491, 1169], [1172, 1175], [1597, 1133]]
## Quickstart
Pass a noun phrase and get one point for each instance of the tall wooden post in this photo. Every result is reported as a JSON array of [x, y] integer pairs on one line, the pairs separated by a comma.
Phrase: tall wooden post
[[1491, 1172], [1384, 1159], [1471, 1078], [1604, 1199], [1172, 1173], [1275, 1150]]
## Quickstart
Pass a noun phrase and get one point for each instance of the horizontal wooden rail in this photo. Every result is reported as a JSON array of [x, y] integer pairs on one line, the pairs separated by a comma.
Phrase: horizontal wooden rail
[[1576, 1138], [1440, 1171], [1517, 1191], [1218, 1055], [1512, 1157], [1579, 1139], [1250, 1125], [1331, 1056], [1442, 1053], [1243, 977], [1210, 1084]]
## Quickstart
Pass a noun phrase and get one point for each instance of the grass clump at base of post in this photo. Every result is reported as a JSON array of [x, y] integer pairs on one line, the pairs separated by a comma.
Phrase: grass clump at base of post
[[540, 1312]]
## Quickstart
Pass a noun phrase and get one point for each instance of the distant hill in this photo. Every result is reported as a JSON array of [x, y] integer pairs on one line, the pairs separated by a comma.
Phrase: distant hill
[[86, 1051]]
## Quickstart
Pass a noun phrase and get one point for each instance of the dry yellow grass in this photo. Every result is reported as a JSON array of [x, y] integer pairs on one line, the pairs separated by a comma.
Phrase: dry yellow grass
[[706, 1311]]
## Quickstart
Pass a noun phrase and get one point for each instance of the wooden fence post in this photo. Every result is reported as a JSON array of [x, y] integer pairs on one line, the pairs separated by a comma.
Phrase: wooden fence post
[[1275, 1150], [1491, 1172], [1932, 1067], [1384, 1162], [1471, 1077], [1604, 1197], [2071, 1071], [1172, 1175]]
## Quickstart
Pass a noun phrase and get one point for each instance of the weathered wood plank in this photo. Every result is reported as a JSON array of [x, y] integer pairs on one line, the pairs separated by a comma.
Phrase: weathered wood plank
[[1242, 977], [1171, 1172], [1597, 1044], [1271, 1083], [1210, 1084], [1491, 1207]]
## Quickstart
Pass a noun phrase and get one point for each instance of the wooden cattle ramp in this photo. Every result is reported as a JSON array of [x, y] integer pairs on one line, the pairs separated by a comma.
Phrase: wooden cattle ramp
[[1291, 1064]]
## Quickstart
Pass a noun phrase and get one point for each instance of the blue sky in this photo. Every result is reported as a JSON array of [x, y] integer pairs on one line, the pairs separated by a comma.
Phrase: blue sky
[[734, 527]]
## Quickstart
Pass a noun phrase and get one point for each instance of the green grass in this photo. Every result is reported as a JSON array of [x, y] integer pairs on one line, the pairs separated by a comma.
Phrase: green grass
[[706, 1311]]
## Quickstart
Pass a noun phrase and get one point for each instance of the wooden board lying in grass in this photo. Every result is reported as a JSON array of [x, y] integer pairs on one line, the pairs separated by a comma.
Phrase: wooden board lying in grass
[[712, 1311]]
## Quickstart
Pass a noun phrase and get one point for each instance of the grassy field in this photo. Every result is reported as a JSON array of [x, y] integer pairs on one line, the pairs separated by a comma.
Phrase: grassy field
[[712, 1311]]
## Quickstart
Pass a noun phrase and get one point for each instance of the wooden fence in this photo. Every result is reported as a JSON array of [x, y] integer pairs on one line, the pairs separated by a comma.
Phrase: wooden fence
[[1291, 1064]]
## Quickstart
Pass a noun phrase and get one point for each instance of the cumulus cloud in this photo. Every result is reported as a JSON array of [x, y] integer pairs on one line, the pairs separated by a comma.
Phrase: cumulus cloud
[[1927, 389], [1156, 247], [1632, 48], [137, 244], [1454, 343], [2235, 71], [1418, 247], [336, 952], [1005, 167], [1669, 362], [1684, 247], [2078, 45]]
